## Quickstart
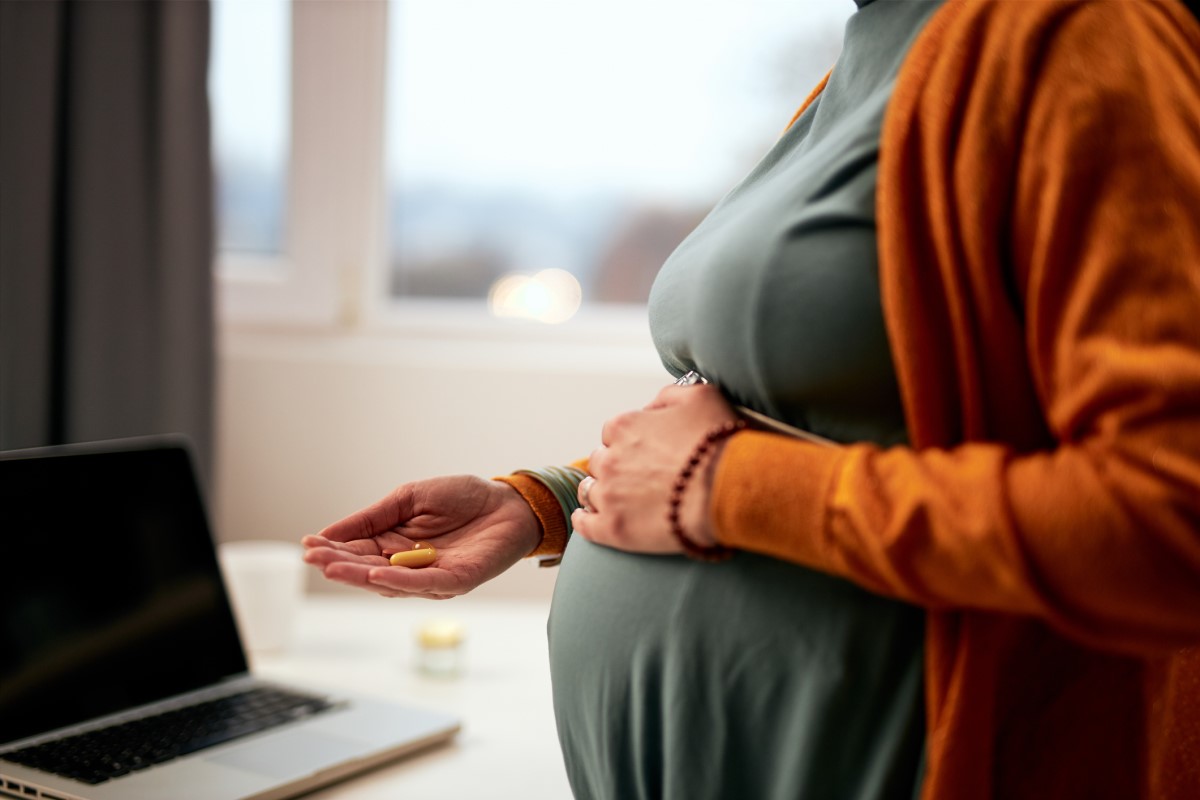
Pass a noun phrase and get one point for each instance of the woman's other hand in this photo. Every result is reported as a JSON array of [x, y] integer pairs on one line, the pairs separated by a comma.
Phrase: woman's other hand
[[479, 528], [641, 456]]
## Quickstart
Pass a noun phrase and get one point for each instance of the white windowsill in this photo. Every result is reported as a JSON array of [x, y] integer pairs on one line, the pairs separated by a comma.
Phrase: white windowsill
[[607, 340]]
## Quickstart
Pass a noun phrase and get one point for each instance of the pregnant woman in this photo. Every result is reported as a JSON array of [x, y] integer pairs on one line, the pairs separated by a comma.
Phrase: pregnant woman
[[971, 263]]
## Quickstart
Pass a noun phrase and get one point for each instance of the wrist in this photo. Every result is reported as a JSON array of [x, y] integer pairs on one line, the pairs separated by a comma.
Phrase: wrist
[[545, 505], [699, 469], [704, 531], [523, 509]]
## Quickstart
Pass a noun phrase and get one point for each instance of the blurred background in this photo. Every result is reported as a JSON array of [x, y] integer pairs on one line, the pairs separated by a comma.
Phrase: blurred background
[[343, 244]]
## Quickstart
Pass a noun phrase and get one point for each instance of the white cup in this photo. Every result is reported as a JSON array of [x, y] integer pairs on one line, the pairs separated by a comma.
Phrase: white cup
[[265, 579]]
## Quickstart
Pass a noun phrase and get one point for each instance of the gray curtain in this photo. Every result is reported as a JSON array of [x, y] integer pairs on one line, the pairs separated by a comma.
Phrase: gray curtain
[[106, 222]]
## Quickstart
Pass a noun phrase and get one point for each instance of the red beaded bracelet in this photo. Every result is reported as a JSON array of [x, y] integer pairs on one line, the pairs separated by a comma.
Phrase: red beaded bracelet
[[690, 548]]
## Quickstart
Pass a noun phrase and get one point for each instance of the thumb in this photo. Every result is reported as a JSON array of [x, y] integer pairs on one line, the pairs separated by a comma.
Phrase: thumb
[[375, 519]]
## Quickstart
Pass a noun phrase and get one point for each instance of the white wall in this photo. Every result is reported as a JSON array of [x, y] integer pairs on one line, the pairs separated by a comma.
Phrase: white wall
[[314, 426]]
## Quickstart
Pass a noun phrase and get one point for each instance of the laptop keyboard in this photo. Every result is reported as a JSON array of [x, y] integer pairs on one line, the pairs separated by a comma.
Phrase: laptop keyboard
[[100, 755]]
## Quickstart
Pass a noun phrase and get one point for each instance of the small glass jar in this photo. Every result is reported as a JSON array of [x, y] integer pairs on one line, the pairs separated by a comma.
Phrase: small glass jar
[[440, 648]]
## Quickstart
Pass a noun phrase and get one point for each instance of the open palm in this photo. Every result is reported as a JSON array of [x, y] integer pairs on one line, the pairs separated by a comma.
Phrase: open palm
[[480, 528]]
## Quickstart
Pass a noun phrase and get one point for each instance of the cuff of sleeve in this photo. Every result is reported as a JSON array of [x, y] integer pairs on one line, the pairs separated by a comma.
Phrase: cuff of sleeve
[[548, 512], [771, 496]]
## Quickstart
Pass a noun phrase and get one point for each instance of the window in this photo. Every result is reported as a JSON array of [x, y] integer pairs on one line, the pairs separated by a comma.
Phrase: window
[[334, 113], [532, 154], [540, 151], [250, 86]]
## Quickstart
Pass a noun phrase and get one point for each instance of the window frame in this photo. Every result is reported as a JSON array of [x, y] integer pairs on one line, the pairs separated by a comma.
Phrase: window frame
[[338, 52]]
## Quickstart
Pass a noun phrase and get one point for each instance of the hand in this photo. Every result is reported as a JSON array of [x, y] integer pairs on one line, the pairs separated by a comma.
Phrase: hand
[[479, 527], [635, 469]]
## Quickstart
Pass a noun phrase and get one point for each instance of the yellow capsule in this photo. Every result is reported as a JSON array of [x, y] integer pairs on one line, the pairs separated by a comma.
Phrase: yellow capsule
[[387, 551], [422, 555]]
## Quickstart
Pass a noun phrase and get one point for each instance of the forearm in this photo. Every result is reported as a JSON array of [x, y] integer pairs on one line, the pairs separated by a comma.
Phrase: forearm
[[978, 526]]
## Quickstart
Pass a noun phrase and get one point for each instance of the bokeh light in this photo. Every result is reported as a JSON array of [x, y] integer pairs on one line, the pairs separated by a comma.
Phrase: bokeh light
[[551, 296]]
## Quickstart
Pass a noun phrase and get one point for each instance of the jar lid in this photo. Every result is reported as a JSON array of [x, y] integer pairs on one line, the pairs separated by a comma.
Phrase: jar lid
[[440, 633]]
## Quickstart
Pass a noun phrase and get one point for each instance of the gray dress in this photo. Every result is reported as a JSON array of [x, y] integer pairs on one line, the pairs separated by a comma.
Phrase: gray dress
[[756, 678]]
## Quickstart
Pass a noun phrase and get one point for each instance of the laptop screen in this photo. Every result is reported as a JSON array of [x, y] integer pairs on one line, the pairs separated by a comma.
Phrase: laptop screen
[[110, 593]]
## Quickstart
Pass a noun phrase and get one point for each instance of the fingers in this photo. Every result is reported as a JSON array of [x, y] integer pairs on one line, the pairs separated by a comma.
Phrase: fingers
[[626, 504], [338, 562], [615, 530], [615, 426], [424, 582], [699, 393], [375, 519], [673, 393], [590, 526], [604, 520], [359, 525], [362, 547], [597, 460], [581, 522], [427, 582], [583, 494], [324, 556], [383, 544]]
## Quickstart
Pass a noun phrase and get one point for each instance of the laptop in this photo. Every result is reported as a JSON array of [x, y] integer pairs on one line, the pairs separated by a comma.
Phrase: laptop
[[122, 674]]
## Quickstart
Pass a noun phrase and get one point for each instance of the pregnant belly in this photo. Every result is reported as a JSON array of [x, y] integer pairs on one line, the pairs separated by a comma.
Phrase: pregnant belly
[[672, 676]]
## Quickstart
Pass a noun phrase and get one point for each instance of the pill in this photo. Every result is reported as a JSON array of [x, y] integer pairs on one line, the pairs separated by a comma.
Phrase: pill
[[422, 555]]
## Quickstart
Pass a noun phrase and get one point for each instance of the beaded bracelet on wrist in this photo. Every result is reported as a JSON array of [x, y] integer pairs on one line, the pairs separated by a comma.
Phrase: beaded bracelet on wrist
[[690, 547]]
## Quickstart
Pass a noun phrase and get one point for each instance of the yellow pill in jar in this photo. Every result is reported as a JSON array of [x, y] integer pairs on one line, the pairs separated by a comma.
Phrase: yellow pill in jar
[[422, 555]]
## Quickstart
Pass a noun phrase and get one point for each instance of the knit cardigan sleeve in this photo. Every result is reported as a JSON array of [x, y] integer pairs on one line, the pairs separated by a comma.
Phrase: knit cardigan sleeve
[[545, 507], [1039, 224]]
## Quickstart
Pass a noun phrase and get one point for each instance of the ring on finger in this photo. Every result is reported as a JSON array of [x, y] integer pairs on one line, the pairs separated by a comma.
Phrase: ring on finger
[[584, 493]]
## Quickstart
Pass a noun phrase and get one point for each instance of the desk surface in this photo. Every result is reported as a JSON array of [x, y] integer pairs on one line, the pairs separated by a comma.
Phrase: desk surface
[[508, 746]]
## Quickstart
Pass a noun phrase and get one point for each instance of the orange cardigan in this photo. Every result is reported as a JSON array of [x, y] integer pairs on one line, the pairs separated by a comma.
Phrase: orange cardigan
[[1039, 243]]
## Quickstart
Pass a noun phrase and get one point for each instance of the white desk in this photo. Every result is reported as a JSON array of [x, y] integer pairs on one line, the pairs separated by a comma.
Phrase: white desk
[[508, 747]]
